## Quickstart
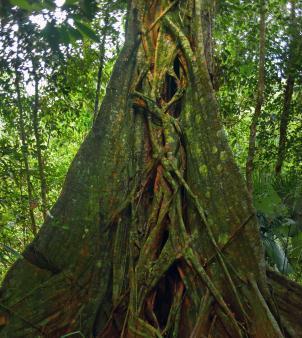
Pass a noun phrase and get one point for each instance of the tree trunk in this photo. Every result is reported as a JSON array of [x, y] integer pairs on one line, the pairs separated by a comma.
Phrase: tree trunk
[[24, 148], [259, 101], [207, 19], [101, 62], [284, 120], [288, 91], [154, 234], [35, 121]]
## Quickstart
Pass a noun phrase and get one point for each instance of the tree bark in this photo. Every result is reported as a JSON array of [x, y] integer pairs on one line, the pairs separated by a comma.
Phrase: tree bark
[[288, 296], [101, 62], [288, 92], [259, 100], [35, 122], [207, 20], [154, 233]]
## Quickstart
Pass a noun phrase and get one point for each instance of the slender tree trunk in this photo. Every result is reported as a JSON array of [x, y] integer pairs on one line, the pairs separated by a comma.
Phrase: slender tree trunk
[[154, 234], [35, 122], [101, 62], [23, 207], [24, 148], [288, 93], [259, 100], [284, 120]]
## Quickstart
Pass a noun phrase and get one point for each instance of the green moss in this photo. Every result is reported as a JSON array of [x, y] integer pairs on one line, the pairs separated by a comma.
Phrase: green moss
[[203, 169], [223, 238], [223, 156], [198, 151], [170, 139], [219, 168], [221, 133]]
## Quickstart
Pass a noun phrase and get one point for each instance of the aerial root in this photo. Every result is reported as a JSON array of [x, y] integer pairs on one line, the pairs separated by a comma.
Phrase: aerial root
[[201, 326], [158, 254]]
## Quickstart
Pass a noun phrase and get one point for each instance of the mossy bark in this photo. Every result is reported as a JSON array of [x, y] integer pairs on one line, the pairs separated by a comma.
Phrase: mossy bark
[[154, 234]]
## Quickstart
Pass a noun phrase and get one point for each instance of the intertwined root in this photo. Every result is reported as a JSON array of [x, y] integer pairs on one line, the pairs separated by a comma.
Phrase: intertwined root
[[165, 254], [159, 285]]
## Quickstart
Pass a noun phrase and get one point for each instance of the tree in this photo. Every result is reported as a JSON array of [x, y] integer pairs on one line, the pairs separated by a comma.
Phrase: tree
[[57, 67], [25, 153], [101, 61], [259, 100], [154, 233], [288, 91], [36, 127]]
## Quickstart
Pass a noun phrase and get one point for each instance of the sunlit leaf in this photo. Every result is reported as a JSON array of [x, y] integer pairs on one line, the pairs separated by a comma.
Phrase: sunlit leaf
[[86, 30]]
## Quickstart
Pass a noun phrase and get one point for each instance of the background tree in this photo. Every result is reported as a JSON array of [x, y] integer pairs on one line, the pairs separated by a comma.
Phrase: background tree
[[289, 87], [66, 61], [259, 99], [277, 200]]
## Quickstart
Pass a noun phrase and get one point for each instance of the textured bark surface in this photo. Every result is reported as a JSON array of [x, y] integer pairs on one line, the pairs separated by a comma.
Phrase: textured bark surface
[[288, 297], [101, 62], [154, 234]]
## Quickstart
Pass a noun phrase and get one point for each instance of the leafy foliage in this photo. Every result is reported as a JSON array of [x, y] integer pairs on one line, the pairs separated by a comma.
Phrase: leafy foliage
[[277, 201], [61, 46]]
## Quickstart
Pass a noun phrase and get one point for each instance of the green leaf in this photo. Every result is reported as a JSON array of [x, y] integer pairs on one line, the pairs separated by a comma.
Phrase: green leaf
[[297, 242], [266, 199], [88, 8], [52, 35], [36, 6], [86, 30], [277, 256], [22, 4], [11, 250], [74, 34], [49, 4], [71, 2]]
